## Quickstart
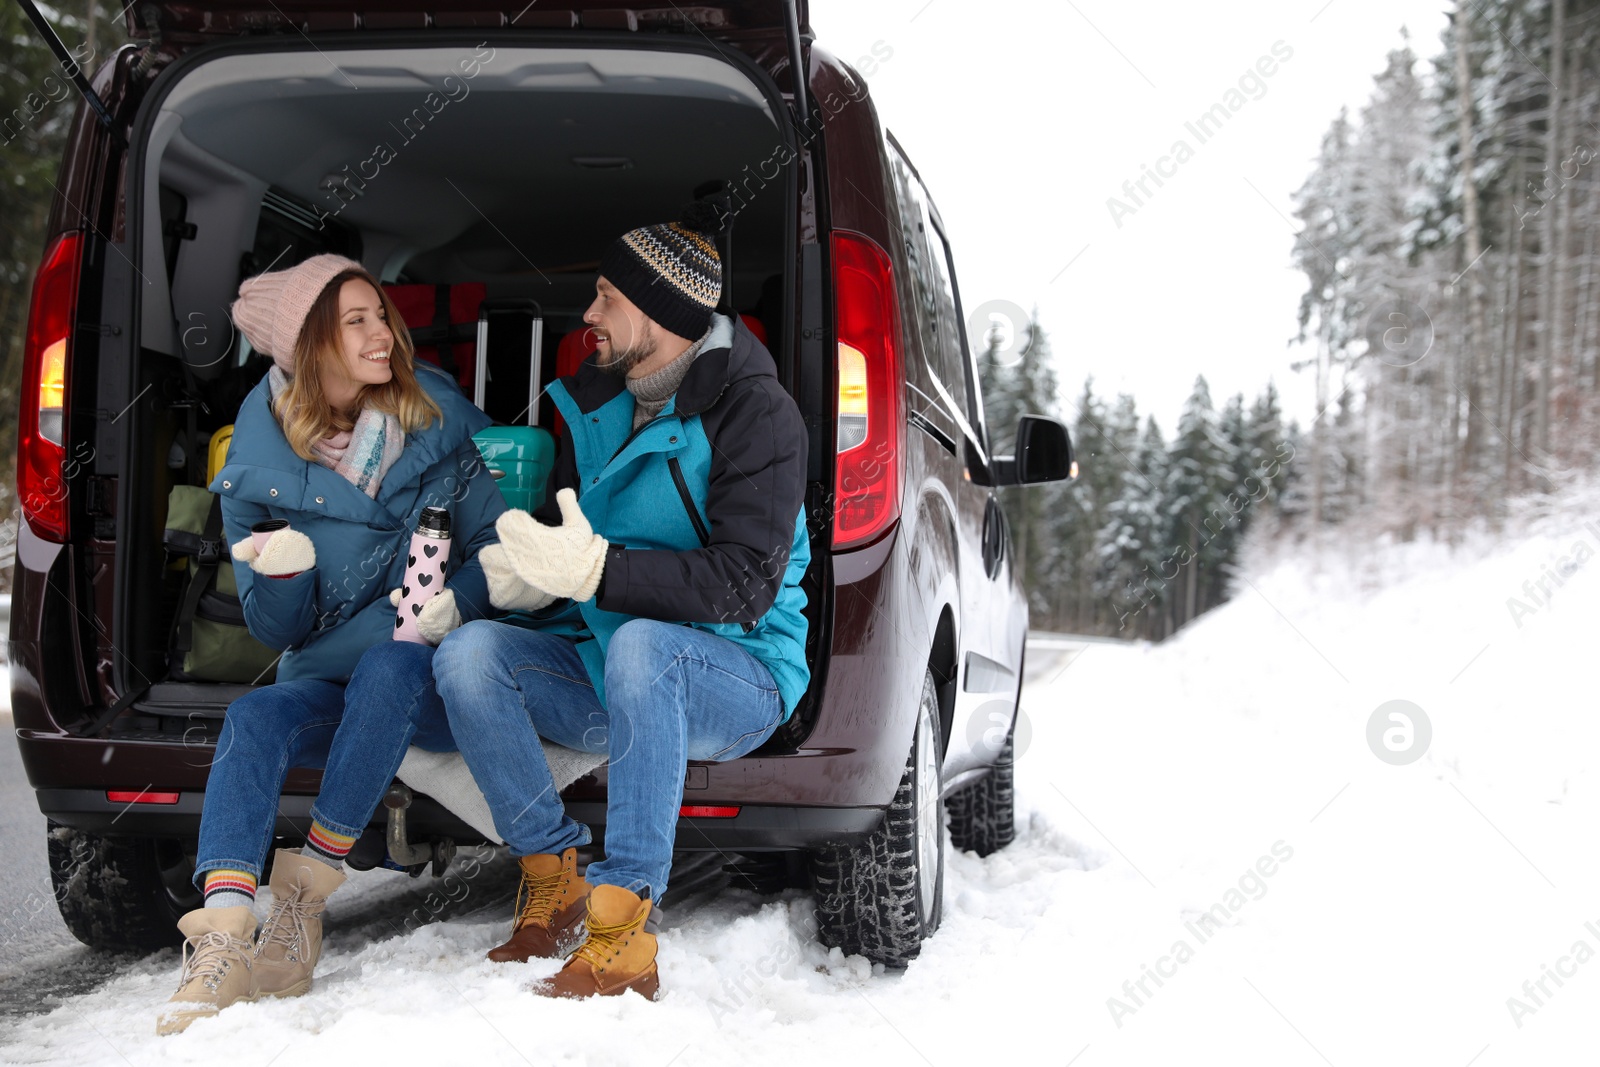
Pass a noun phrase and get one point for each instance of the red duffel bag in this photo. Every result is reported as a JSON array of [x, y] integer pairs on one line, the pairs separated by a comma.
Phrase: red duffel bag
[[443, 320]]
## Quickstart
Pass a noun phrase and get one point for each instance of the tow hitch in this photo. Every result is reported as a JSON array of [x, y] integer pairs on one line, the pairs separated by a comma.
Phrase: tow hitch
[[413, 858]]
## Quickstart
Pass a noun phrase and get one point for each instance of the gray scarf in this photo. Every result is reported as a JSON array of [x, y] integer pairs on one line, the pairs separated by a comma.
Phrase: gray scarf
[[652, 391]]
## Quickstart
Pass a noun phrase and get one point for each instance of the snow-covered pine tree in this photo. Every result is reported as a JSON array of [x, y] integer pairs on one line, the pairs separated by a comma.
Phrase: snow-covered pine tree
[[1264, 434], [1025, 384], [1108, 465], [1322, 248], [1240, 505], [1294, 491], [1385, 287], [1134, 575], [1079, 513], [1200, 465], [1344, 484]]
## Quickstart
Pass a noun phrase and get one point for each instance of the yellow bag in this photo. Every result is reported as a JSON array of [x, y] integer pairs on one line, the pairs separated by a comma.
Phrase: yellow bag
[[217, 453]]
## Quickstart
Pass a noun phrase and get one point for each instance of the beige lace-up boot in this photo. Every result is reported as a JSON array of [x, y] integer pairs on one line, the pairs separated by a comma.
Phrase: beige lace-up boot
[[217, 966], [291, 938]]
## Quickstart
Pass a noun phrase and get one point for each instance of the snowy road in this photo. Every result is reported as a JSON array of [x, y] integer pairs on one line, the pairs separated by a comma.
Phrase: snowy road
[[1213, 865], [42, 964]]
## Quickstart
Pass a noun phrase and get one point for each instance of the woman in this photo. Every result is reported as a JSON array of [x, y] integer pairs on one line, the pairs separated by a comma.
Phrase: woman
[[348, 440]]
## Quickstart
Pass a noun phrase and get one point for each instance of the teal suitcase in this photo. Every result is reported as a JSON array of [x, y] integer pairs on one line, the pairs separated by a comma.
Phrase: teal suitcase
[[519, 456]]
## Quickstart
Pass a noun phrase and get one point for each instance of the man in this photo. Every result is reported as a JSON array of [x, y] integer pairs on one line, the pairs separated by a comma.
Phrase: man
[[659, 601]]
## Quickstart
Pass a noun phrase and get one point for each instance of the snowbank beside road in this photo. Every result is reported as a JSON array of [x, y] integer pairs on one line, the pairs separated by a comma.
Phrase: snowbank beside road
[[1212, 865]]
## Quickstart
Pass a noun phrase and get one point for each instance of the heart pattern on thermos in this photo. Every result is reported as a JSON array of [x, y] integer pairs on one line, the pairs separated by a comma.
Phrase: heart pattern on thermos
[[425, 562]]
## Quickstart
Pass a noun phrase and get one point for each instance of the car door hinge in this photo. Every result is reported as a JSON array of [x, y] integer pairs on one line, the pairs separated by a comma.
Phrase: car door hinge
[[99, 495]]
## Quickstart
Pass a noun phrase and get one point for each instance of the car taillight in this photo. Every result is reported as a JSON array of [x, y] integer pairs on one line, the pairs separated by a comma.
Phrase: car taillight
[[868, 416], [139, 796], [41, 415], [708, 811]]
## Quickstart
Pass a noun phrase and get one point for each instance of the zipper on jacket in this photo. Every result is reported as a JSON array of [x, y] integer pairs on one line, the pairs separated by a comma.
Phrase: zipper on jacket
[[688, 501], [694, 514], [626, 441]]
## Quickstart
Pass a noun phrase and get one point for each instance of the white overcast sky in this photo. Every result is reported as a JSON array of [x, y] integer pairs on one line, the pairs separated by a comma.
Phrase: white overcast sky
[[1025, 116]]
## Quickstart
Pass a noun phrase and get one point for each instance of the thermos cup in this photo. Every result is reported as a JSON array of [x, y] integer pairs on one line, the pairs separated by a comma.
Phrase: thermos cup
[[265, 529], [430, 550]]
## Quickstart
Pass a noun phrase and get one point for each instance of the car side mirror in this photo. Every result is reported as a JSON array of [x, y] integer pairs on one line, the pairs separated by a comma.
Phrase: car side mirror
[[1043, 454]]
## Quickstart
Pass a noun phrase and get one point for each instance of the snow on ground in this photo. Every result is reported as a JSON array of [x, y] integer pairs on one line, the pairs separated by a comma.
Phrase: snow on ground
[[1360, 912]]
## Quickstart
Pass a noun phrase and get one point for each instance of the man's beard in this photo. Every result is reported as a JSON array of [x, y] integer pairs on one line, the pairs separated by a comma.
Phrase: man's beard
[[623, 360]]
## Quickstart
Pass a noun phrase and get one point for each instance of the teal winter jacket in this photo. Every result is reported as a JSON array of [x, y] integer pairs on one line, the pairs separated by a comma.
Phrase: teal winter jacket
[[326, 617], [702, 507]]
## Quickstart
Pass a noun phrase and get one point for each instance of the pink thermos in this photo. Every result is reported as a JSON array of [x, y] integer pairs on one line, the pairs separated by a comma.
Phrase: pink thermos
[[430, 550]]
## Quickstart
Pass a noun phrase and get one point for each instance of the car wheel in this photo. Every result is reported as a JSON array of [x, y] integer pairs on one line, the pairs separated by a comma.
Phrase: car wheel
[[120, 894], [983, 814], [880, 898]]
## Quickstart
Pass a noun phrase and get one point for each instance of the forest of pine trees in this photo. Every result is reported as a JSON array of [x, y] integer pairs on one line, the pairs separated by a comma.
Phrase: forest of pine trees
[[1453, 300], [1144, 539], [1452, 310]]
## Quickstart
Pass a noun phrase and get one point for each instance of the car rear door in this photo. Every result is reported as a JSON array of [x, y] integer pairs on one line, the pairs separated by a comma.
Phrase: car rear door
[[952, 412], [991, 644]]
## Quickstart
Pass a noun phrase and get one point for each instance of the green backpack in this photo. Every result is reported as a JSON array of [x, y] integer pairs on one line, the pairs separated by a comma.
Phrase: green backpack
[[210, 642]]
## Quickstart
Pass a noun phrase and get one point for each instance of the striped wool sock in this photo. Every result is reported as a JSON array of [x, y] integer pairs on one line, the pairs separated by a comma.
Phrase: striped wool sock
[[229, 889], [327, 845]]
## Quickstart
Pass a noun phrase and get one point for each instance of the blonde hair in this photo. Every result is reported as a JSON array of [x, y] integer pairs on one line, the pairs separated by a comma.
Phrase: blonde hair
[[303, 408]]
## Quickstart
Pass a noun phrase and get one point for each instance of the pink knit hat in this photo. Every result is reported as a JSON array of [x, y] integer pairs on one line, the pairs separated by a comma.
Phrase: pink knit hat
[[273, 307]]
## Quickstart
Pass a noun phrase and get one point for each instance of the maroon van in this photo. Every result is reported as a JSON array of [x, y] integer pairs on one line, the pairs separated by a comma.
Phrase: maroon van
[[504, 145]]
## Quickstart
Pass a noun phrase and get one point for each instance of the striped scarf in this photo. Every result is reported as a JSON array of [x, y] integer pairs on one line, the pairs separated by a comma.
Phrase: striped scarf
[[361, 456]]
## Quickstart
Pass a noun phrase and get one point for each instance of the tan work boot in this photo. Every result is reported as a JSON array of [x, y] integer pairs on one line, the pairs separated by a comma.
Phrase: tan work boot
[[217, 957], [619, 955], [550, 909], [291, 939]]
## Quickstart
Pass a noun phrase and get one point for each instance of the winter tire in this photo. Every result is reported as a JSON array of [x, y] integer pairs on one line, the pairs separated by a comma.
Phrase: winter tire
[[983, 814], [880, 898], [120, 894]]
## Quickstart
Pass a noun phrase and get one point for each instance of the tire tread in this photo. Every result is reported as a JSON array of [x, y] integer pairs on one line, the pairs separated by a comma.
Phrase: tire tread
[[983, 814], [110, 891]]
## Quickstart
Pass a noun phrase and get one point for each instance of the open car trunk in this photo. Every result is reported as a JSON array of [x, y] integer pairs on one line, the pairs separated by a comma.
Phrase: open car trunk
[[458, 162]]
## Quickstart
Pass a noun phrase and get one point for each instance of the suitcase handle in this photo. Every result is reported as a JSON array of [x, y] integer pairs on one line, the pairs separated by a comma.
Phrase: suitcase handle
[[511, 303], [480, 385]]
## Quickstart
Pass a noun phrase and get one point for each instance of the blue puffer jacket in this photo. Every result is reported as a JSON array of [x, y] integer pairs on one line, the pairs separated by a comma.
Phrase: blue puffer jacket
[[702, 507], [326, 617]]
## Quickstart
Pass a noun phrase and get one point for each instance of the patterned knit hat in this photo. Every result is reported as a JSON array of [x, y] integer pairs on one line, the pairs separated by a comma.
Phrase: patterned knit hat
[[273, 307], [671, 271]]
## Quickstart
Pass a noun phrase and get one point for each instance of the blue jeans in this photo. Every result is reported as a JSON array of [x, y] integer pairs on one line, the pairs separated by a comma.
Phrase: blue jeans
[[673, 694], [358, 734]]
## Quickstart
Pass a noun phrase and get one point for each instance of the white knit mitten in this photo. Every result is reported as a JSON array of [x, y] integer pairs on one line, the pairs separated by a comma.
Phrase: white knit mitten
[[438, 616], [244, 551], [565, 560], [287, 552], [506, 590]]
